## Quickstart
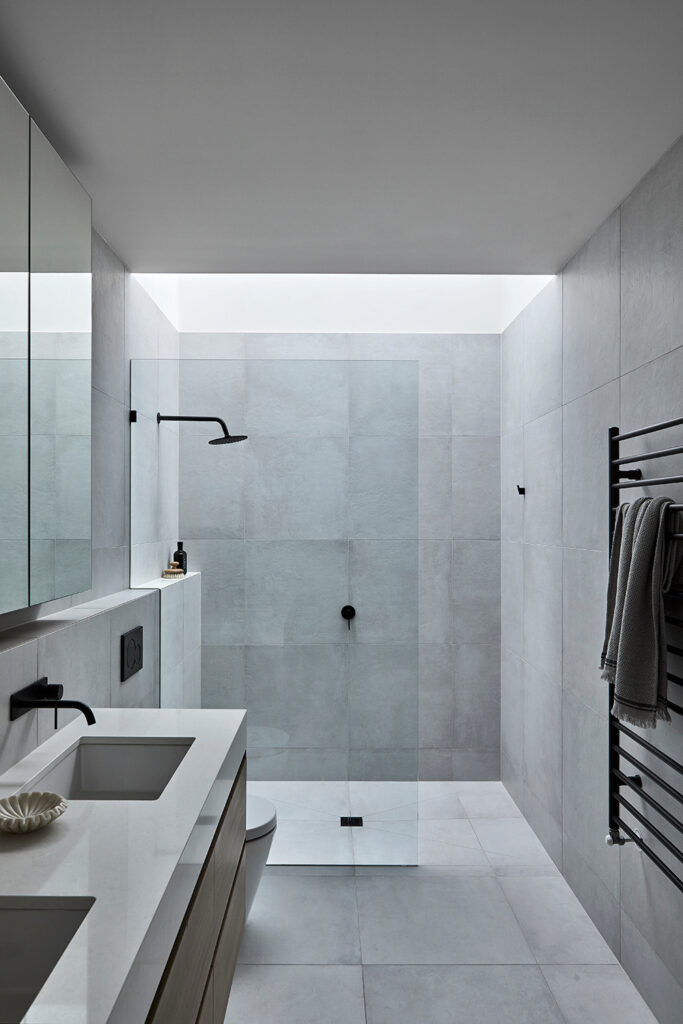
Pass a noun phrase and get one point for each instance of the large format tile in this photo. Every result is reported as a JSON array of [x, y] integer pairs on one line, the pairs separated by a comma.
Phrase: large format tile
[[512, 376], [543, 351], [476, 384], [584, 789], [511, 476], [593, 894], [476, 679], [512, 596], [110, 514], [434, 488], [554, 923], [584, 469], [652, 264], [142, 688], [384, 591], [476, 591], [302, 920], [584, 597], [383, 695], [590, 312], [85, 678], [543, 609], [435, 591], [476, 488], [383, 397], [543, 739], [512, 707], [383, 487], [296, 995], [288, 398], [662, 990], [485, 800], [294, 591], [108, 365], [596, 993], [213, 387], [306, 801], [302, 763], [281, 681], [452, 919], [211, 488], [296, 488], [223, 676], [221, 563], [510, 842], [436, 386], [18, 668], [543, 479], [436, 695], [458, 995], [652, 394], [306, 842]]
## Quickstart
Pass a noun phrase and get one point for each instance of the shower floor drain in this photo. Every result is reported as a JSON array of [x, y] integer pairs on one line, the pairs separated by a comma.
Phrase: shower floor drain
[[351, 822]]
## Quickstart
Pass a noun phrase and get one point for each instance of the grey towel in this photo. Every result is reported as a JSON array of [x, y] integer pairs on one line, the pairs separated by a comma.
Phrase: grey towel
[[642, 568]]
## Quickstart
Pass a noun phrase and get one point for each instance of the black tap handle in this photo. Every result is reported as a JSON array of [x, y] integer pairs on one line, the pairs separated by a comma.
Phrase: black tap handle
[[348, 612]]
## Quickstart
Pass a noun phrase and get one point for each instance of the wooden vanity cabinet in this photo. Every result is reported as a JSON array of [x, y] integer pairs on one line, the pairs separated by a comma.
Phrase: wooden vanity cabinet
[[196, 983]]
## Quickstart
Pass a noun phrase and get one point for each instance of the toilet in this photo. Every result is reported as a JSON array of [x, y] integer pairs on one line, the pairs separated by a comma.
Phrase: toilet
[[261, 825]]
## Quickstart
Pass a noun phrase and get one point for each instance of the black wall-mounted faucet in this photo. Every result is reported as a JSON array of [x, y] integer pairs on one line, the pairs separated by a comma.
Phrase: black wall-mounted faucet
[[42, 694]]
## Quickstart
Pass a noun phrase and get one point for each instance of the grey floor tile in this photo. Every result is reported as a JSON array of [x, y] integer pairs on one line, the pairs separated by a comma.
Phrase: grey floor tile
[[554, 923], [302, 920], [510, 841], [437, 920], [296, 995], [458, 995], [596, 994]]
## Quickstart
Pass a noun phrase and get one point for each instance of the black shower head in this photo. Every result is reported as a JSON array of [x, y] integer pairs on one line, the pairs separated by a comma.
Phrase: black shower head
[[229, 439]]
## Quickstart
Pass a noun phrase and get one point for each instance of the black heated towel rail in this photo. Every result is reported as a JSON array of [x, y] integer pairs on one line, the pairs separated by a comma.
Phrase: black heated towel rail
[[620, 782]]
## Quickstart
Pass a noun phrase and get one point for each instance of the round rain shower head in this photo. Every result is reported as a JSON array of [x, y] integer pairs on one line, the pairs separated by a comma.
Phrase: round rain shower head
[[229, 439]]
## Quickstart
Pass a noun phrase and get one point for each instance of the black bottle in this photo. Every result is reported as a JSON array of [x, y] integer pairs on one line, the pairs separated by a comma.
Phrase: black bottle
[[181, 557]]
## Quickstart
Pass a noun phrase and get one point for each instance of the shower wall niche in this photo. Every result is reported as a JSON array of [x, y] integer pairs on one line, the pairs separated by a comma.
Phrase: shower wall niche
[[316, 510]]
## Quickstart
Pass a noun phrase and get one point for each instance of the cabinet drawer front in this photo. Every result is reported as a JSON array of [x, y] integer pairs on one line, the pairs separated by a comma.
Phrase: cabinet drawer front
[[229, 845], [206, 1012], [181, 990], [228, 945]]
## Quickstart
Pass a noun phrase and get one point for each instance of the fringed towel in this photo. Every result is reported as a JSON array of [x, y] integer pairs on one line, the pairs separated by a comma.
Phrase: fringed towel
[[642, 568]]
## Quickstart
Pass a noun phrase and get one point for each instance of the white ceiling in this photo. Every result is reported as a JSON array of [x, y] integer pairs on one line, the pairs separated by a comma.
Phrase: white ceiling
[[350, 136]]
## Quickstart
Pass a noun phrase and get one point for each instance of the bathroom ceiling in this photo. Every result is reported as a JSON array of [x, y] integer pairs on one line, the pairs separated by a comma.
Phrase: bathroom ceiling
[[350, 136]]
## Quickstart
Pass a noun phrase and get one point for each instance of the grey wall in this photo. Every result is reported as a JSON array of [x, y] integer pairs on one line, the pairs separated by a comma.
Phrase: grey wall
[[601, 346], [457, 532]]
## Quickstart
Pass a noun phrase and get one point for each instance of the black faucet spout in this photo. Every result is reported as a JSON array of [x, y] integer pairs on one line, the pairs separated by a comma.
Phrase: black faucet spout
[[45, 695]]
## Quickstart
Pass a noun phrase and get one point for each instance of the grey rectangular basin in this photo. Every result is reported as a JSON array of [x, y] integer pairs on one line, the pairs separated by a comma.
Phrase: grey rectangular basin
[[114, 768], [34, 932]]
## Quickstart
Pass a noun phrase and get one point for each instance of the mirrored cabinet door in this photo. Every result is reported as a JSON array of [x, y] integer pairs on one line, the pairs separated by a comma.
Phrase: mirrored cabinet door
[[60, 377], [14, 213]]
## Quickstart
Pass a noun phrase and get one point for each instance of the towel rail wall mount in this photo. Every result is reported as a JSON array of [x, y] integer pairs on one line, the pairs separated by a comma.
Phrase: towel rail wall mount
[[620, 831]]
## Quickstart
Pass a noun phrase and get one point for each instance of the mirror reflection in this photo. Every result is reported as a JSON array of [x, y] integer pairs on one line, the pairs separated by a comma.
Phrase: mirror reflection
[[60, 378], [14, 176]]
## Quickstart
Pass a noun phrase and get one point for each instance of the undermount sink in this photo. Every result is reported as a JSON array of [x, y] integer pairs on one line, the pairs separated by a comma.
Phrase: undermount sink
[[114, 768], [34, 932]]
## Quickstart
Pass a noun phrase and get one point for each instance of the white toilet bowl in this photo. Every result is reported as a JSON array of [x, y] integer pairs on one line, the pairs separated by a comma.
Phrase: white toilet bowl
[[261, 825]]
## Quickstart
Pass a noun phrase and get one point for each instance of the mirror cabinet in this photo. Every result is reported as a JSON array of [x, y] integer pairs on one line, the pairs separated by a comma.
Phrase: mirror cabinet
[[45, 367]]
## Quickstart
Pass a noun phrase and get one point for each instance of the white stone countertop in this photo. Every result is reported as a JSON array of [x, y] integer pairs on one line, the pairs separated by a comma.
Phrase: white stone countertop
[[139, 859]]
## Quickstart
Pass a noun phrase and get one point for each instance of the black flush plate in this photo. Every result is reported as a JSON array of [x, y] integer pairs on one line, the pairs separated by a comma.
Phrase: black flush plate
[[351, 822], [131, 653]]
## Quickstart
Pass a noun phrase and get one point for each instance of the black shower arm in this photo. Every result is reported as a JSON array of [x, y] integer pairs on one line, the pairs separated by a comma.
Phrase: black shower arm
[[196, 419]]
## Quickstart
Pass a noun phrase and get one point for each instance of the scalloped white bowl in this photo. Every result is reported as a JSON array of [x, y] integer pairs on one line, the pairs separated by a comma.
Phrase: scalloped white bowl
[[27, 812]]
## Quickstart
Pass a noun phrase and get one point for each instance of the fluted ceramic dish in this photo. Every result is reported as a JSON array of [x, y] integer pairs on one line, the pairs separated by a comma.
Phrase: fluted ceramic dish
[[27, 812]]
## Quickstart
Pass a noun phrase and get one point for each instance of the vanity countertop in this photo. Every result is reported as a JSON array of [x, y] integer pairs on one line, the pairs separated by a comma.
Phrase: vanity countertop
[[139, 859]]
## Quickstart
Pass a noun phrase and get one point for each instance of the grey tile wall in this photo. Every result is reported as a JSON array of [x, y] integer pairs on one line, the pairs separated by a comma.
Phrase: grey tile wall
[[349, 479], [619, 303]]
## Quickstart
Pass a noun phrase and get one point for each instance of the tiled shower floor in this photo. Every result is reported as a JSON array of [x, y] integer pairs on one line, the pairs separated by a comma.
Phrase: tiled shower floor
[[484, 931], [403, 822]]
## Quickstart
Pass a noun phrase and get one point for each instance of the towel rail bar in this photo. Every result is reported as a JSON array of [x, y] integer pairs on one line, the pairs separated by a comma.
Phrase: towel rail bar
[[656, 832], [647, 456], [638, 841], [626, 781], [643, 768], [620, 485], [621, 831]]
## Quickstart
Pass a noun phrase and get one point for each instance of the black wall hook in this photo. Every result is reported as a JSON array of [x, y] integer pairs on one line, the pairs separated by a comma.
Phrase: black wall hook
[[521, 490]]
